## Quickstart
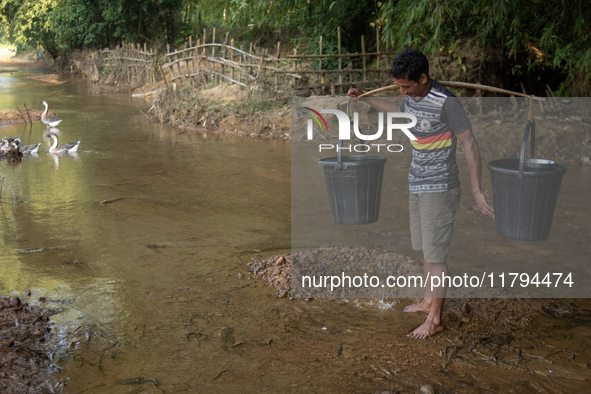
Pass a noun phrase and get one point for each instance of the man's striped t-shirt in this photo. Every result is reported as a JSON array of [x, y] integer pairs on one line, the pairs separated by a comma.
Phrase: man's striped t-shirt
[[440, 116]]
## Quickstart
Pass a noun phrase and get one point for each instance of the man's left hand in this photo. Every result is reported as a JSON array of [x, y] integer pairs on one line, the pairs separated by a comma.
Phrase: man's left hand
[[482, 205]]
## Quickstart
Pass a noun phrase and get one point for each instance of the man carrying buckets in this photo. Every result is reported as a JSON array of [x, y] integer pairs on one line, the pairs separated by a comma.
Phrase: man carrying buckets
[[433, 178]]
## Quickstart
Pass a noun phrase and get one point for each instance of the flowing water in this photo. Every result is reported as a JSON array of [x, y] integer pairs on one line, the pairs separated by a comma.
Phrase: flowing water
[[152, 277]]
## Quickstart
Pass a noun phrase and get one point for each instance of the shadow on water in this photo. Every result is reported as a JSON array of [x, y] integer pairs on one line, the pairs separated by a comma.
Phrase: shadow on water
[[149, 278]]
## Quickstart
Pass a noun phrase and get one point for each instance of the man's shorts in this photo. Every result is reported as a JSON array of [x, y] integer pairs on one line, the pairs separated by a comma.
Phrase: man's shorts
[[432, 222]]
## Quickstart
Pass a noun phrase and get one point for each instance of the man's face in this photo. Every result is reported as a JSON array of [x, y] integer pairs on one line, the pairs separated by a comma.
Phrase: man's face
[[413, 88]]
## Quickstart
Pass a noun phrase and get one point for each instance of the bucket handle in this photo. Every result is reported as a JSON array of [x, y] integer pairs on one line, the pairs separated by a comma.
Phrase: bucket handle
[[340, 153], [340, 144], [530, 126]]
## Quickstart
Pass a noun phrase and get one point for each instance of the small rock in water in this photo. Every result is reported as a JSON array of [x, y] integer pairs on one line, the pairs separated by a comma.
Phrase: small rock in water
[[239, 275], [465, 309]]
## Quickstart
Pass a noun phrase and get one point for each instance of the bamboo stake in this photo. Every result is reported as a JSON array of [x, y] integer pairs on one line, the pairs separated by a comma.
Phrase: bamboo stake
[[213, 42], [277, 63], [232, 58], [187, 72], [378, 49], [241, 58], [295, 66], [320, 64], [204, 39], [364, 59], [224, 54], [250, 59], [19, 112], [28, 115], [340, 59]]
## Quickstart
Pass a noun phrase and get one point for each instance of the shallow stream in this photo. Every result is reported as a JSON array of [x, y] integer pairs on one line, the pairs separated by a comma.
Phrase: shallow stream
[[151, 280]]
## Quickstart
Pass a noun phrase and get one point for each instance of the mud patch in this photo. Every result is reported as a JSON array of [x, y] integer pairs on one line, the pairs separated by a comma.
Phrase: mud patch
[[20, 116], [49, 78], [503, 345]]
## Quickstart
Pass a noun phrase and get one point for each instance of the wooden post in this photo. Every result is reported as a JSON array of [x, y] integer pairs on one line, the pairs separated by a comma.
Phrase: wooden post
[[378, 50], [178, 66], [225, 43], [232, 58], [240, 58], [261, 64], [320, 65], [186, 61], [196, 55], [190, 57], [213, 42], [224, 54], [364, 58], [295, 66], [204, 39], [277, 63], [169, 59], [250, 59], [340, 60]]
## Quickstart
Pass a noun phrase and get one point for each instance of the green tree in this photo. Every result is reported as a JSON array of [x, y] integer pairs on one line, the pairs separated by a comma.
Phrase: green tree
[[550, 33]]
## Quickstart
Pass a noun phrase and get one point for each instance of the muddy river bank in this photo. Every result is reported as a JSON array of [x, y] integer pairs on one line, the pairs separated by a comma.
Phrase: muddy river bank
[[156, 294]]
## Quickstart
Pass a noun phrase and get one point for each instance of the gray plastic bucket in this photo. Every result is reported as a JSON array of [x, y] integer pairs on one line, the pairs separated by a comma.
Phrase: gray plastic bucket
[[525, 193], [354, 187]]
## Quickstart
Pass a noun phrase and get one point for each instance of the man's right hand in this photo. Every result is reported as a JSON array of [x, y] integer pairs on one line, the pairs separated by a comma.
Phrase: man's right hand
[[353, 93]]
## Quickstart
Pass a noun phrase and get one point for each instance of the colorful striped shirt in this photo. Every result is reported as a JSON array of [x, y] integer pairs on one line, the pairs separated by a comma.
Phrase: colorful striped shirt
[[440, 116]]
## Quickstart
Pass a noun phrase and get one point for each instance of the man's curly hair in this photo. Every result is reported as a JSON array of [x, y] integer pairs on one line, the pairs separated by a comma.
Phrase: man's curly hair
[[411, 63]]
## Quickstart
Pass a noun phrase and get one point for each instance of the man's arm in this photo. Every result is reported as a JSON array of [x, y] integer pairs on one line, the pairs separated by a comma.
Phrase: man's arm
[[475, 168], [380, 104]]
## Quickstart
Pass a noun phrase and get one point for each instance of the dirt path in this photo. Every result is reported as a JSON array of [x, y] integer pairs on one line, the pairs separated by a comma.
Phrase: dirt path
[[7, 59]]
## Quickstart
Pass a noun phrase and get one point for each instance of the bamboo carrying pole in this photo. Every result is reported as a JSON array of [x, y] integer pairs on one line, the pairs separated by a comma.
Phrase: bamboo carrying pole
[[454, 84]]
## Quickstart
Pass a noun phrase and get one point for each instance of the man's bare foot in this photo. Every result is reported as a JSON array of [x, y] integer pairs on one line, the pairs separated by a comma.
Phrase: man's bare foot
[[423, 306], [426, 330]]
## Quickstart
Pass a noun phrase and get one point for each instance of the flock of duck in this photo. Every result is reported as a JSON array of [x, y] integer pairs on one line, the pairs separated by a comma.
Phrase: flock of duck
[[12, 145]]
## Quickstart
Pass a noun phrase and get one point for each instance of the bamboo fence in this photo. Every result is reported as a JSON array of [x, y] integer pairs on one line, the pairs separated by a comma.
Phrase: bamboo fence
[[131, 63], [320, 73]]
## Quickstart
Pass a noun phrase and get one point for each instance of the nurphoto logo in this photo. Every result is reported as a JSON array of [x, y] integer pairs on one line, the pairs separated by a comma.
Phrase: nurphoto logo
[[345, 129]]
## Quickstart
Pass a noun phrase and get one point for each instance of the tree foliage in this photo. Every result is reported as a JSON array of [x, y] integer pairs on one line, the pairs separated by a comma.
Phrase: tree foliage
[[549, 33], [65, 24]]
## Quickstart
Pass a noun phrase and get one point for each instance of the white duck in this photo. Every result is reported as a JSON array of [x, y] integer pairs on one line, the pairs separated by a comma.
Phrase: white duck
[[49, 120], [26, 149], [4, 144], [65, 148]]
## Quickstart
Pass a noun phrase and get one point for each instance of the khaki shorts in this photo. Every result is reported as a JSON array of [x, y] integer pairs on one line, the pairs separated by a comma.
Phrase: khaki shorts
[[432, 222]]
